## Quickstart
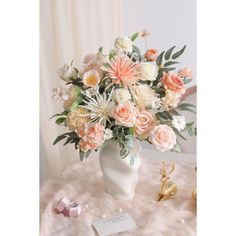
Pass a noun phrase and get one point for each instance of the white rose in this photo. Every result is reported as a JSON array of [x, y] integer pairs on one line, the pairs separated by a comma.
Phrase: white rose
[[122, 95], [143, 95], [68, 73], [147, 71], [124, 43], [179, 122]]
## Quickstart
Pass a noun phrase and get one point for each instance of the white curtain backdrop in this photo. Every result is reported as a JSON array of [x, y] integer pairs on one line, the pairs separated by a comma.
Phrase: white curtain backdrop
[[69, 29]]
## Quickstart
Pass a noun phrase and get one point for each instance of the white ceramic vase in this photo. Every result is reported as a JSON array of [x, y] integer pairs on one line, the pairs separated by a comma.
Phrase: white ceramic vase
[[119, 176]]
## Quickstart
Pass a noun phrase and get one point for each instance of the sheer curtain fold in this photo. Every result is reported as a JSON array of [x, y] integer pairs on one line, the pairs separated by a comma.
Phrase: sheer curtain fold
[[68, 30]]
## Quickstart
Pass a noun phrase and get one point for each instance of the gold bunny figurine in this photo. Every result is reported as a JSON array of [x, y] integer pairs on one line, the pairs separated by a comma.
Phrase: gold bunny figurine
[[168, 188]]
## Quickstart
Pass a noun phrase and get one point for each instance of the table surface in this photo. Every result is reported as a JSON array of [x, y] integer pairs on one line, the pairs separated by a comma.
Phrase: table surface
[[82, 182]]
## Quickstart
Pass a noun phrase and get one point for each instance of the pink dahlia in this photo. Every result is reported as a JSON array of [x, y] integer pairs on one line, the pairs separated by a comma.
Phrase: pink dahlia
[[123, 71]]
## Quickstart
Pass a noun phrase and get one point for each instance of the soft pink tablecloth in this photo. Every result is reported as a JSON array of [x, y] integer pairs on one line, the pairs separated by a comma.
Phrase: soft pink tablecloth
[[82, 182]]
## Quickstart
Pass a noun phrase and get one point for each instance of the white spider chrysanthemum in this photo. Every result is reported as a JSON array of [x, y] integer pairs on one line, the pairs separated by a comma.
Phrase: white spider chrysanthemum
[[99, 107]]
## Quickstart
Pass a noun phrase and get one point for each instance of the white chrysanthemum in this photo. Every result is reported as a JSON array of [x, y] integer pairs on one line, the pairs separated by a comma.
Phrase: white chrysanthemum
[[60, 94], [99, 107], [179, 122], [121, 95]]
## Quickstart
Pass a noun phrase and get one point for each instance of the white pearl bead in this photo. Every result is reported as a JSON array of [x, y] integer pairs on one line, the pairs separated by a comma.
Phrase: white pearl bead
[[86, 206], [181, 220], [103, 216], [120, 210]]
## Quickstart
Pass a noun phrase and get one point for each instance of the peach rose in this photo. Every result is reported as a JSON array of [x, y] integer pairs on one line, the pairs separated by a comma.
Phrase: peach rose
[[124, 114], [163, 137], [91, 78], [144, 122], [151, 54], [173, 82], [185, 72]]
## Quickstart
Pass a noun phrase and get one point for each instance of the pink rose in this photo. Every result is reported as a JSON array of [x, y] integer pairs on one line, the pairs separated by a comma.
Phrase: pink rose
[[163, 137], [185, 72], [173, 82], [144, 122], [124, 114]]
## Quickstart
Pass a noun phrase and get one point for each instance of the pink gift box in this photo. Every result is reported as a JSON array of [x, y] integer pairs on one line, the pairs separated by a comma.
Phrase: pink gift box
[[61, 204], [72, 210]]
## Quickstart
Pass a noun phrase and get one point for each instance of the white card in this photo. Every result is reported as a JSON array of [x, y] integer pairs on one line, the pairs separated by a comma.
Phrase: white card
[[114, 224]]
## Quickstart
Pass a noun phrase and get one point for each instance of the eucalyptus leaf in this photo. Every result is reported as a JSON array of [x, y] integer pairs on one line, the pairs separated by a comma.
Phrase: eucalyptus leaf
[[170, 63], [179, 134], [159, 58], [166, 69], [183, 105], [179, 53], [132, 161], [137, 51], [187, 81], [177, 148], [81, 155], [168, 53], [187, 109], [86, 155], [68, 141]]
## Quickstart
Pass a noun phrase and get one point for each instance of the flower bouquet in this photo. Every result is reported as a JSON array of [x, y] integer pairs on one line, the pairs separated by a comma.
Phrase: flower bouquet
[[122, 97]]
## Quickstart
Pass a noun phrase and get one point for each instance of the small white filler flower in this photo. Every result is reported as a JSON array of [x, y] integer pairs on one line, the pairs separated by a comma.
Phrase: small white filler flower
[[179, 122]]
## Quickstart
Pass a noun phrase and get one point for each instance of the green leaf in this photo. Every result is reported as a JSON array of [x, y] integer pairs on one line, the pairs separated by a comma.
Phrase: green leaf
[[177, 148], [159, 58], [190, 123], [59, 138], [131, 162], [111, 56], [186, 81], [86, 155], [134, 36], [74, 106], [60, 120], [184, 105], [187, 109], [164, 115], [100, 49], [168, 53], [137, 51], [81, 155], [179, 53], [58, 114], [179, 134], [68, 141], [170, 63], [166, 69]]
